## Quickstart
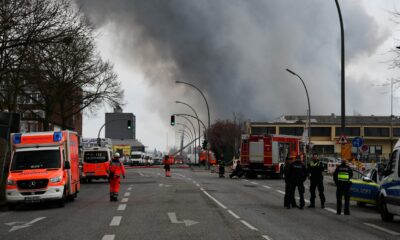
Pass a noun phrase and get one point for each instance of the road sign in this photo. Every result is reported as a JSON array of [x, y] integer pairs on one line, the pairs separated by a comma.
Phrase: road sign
[[364, 148], [357, 142], [342, 140]]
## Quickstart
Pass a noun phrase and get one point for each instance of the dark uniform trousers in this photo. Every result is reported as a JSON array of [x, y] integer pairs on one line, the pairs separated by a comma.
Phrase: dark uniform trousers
[[343, 189], [318, 183]]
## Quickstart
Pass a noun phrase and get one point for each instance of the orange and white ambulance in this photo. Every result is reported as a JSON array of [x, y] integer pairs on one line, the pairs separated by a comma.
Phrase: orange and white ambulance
[[44, 167]]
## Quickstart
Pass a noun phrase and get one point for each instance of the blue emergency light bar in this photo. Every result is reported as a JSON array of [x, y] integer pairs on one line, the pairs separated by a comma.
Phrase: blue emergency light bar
[[17, 139], [57, 136]]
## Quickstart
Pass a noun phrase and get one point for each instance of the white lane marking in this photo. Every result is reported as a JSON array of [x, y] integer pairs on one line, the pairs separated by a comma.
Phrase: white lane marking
[[267, 187], [160, 185], [23, 224], [246, 180], [266, 237], [180, 175], [330, 210], [281, 192], [215, 200], [141, 174], [248, 225], [129, 189], [127, 194], [130, 185], [202, 189], [116, 221], [233, 214], [254, 183], [382, 229], [125, 200], [108, 237], [121, 207], [173, 218], [198, 185]]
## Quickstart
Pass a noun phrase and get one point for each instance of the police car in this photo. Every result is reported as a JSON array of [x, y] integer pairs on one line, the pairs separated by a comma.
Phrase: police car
[[364, 188], [389, 193]]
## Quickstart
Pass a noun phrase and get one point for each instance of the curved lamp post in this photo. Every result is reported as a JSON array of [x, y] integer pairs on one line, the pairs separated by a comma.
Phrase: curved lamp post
[[309, 108]]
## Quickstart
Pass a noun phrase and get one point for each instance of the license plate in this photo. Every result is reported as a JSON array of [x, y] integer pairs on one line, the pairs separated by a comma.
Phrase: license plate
[[32, 199]]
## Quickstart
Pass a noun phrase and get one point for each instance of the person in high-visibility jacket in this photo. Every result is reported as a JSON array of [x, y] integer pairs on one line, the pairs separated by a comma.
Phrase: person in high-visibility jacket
[[342, 176], [167, 166], [115, 171]]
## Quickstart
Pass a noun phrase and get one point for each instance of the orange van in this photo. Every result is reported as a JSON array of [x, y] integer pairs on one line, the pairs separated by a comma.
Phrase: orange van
[[44, 167]]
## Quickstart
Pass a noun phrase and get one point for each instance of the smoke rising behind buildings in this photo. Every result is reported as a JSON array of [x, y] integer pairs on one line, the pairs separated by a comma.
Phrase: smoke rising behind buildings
[[237, 52]]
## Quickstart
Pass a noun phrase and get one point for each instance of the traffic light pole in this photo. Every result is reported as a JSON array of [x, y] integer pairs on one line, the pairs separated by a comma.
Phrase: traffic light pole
[[101, 128]]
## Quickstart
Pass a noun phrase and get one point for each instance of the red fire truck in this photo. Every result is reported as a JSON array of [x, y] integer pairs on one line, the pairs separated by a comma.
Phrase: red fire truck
[[266, 154]]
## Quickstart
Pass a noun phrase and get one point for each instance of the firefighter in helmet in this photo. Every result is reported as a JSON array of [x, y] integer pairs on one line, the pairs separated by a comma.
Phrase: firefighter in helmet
[[115, 171], [167, 166]]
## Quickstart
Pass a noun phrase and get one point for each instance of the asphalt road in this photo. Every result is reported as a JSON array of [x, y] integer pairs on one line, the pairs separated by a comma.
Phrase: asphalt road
[[192, 204]]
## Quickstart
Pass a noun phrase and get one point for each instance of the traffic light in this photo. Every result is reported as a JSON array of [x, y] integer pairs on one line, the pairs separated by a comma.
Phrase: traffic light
[[205, 144], [129, 124], [172, 120]]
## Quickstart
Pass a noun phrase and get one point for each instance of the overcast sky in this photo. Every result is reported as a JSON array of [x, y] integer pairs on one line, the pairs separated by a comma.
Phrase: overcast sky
[[237, 51]]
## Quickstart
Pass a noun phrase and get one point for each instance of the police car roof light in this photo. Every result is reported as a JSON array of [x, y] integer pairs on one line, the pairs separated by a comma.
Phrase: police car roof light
[[57, 136], [17, 139]]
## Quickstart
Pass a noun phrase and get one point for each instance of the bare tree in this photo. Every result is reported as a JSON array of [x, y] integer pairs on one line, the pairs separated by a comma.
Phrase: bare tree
[[48, 48]]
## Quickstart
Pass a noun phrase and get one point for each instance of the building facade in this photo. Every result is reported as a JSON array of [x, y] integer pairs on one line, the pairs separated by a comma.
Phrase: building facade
[[379, 133], [120, 126]]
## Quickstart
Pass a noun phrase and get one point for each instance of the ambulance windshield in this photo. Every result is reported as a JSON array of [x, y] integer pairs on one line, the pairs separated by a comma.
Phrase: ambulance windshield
[[95, 157], [41, 159]]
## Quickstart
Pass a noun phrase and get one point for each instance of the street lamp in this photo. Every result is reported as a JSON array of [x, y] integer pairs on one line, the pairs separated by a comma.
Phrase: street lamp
[[309, 107], [208, 111], [343, 105], [198, 122]]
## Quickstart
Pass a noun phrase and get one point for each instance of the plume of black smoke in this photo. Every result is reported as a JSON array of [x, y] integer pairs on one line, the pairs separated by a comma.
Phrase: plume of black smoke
[[237, 50]]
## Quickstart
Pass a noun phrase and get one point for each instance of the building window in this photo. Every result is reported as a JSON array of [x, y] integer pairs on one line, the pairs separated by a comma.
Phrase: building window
[[375, 149], [296, 131], [263, 130], [396, 132], [348, 131], [321, 131], [376, 132], [324, 149]]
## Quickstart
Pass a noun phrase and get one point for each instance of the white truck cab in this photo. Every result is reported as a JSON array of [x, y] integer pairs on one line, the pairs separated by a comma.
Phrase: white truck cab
[[389, 195]]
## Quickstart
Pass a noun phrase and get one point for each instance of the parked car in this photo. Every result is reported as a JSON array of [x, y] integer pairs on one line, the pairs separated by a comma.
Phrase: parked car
[[365, 188]]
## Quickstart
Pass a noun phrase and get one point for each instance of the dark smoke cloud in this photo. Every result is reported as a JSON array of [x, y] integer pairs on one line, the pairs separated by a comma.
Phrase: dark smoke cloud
[[237, 51]]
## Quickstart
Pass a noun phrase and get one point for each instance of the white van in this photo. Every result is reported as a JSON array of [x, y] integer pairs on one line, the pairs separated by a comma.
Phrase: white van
[[389, 195], [136, 158]]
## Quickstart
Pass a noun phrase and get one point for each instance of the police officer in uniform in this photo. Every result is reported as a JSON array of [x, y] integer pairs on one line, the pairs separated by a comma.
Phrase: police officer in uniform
[[315, 169], [342, 176], [289, 200], [298, 174]]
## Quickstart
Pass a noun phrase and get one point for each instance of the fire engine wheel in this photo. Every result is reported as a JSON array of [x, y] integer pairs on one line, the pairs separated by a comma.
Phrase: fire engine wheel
[[251, 175]]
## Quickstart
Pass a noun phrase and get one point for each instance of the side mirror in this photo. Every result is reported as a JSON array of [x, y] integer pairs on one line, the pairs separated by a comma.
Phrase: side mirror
[[367, 179], [67, 165]]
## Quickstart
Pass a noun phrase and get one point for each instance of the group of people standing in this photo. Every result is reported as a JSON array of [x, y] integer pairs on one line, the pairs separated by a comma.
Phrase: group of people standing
[[296, 174]]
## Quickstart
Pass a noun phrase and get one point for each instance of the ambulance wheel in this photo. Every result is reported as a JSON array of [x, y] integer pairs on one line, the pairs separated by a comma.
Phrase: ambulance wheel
[[61, 202], [361, 204], [12, 206], [385, 215]]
